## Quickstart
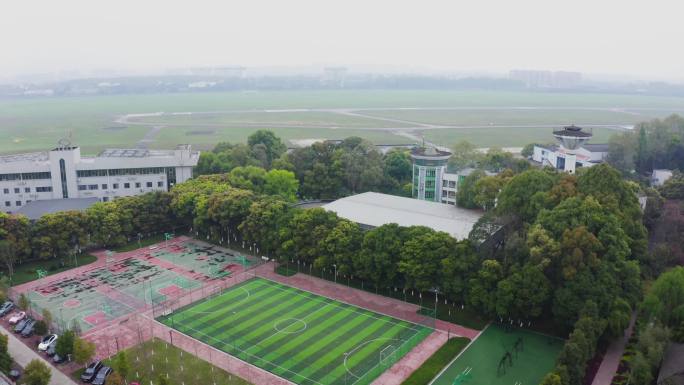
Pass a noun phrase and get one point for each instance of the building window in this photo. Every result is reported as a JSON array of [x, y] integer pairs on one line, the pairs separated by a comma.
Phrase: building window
[[63, 177], [36, 175], [149, 184], [82, 187], [17, 190], [18, 203], [8, 204], [6, 191], [452, 184], [104, 186], [27, 189], [137, 184], [92, 187], [115, 186], [160, 184], [105, 199], [45, 189], [430, 195], [127, 185], [10, 176]]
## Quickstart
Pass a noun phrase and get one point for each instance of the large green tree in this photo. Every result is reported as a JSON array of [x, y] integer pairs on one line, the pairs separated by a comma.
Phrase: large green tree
[[281, 183], [267, 142]]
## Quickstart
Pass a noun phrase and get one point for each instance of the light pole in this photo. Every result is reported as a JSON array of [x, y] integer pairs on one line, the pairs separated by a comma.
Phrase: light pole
[[335, 266]]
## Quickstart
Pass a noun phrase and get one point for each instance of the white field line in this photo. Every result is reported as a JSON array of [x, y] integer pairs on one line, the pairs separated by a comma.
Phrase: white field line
[[459, 354], [356, 306]]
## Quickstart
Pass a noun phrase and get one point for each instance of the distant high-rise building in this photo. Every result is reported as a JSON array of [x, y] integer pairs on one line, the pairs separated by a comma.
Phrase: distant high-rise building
[[547, 79], [334, 77]]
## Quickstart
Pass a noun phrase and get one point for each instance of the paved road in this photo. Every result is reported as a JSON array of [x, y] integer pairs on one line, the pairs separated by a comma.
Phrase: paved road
[[611, 360], [23, 355]]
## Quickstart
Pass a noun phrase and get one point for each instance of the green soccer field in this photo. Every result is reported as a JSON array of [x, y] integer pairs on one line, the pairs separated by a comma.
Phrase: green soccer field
[[297, 335], [536, 357]]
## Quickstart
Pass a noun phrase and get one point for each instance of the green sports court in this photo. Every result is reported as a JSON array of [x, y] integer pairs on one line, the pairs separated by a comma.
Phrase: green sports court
[[300, 336], [485, 361]]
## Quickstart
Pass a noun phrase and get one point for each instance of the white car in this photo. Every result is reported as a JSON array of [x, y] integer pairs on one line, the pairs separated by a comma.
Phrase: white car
[[16, 317], [46, 341]]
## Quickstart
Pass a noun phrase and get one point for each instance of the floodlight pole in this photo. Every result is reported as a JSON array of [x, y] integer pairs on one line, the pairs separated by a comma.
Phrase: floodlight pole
[[335, 266], [436, 291]]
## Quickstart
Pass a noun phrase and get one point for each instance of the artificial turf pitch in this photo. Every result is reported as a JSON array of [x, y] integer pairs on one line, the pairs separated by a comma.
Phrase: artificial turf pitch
[[537, 357], [300, 336]]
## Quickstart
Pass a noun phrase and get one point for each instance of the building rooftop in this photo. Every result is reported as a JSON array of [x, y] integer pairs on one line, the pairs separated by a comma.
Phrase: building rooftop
[[573, 131], [26, 157], [36, 209], [429, 152], [375, 209], [139, 152], [597, 147], [672, 366]]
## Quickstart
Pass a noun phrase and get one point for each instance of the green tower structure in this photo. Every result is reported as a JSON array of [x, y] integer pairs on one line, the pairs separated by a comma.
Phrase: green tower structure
[[429, 165]]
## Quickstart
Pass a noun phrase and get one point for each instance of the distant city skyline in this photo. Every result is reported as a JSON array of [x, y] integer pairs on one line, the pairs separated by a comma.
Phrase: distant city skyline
[[631, 40]]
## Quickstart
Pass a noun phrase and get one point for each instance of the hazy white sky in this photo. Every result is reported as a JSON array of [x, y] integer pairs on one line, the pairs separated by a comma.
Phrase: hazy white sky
[[640, 37]]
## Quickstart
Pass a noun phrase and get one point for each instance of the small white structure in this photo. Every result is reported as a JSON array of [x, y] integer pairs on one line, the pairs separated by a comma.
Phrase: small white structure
[[659, 177], [62, 173], [372, 209], [572, 152]]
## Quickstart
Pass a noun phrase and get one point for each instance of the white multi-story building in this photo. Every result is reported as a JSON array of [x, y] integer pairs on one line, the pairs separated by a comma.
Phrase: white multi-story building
[[572, 152], [63, 173]]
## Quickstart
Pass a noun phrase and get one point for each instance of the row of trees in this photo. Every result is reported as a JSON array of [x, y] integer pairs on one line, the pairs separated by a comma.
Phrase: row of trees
[[65, 234], [324, 170], [651, 145]]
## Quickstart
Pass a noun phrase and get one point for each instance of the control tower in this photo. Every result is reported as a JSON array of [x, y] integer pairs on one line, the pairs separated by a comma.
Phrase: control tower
[[572, 137]]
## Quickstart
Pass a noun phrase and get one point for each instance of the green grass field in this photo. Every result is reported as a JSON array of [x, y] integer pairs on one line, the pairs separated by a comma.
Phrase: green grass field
[[297, 335], [537, 357], [437, 361], [35, 124], [154, 358], [27, 272]]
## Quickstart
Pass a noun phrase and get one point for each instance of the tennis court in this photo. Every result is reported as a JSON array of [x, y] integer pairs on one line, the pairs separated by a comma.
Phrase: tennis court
[[501, 356], [300, 336], [202, 258], [134, 280]]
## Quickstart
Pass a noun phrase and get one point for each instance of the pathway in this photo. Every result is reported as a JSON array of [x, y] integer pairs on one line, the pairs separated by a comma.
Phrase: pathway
[[22, 354], [611, 360]]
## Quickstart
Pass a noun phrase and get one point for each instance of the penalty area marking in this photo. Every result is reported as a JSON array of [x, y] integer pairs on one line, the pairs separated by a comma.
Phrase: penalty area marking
[[233, 304], [283, 330], [346, 355]]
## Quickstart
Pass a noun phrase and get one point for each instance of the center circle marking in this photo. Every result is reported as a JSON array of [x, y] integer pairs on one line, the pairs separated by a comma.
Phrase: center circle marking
[[283, 326]]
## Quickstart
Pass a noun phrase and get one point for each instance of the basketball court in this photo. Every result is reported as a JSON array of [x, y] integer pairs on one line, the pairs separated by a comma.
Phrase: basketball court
[[503, 356]]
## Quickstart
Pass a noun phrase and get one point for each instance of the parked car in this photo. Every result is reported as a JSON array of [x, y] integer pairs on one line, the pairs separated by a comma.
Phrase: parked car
[[46, 341], [52, 349], [16, 317], [6, 308], [15, 374], [20, 326], [29, 329], [57, 359], [101, 376], [91, 371]]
